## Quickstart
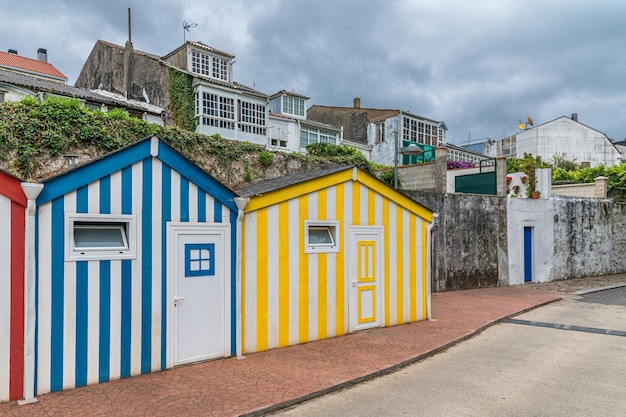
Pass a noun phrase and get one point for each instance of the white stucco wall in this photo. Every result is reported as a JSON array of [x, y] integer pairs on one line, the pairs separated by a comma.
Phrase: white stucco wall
[[569, 139], [538, 214]]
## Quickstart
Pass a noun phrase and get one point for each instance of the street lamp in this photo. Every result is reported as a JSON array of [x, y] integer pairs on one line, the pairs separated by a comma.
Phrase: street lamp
[[412, 149]]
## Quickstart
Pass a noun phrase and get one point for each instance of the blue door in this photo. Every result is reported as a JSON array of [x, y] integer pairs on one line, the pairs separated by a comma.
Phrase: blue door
[[528, 254]]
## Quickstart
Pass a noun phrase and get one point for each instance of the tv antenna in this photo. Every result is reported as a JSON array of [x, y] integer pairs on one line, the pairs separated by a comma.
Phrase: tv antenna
[[186, 27]]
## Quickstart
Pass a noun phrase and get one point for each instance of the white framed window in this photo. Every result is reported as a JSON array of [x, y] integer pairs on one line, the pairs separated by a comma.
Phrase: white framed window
[[309, 135], [293, 105], [321, 236], [252, 117], [100, 237], [209, 65]]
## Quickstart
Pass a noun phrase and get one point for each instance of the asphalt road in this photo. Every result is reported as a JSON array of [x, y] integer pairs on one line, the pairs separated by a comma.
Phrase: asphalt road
[[564, 359]]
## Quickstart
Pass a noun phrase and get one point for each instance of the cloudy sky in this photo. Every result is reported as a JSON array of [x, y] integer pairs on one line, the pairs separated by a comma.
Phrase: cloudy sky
[[478, 65]]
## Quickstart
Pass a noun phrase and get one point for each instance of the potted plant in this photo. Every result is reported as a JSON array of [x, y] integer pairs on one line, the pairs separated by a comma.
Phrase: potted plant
[[508, 180], [524, 179], [516, 189], [535, 194]]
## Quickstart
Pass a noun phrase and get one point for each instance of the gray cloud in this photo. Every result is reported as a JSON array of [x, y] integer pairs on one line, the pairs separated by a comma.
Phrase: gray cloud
[[479, 66]]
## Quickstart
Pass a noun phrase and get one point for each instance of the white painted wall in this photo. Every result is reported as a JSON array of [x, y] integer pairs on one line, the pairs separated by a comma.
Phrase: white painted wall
[[538, 214], [569, 139]]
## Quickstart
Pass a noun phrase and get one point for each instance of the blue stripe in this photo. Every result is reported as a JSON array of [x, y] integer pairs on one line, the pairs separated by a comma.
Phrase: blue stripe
[[105, 321], [233, 282], [82, 312], [217, 209], [58, 283], [126, 318], [166, 209], [146, 267], [82, 295], [125, 349], [104, 348], [105, 195], [184, 199], [201, 206]]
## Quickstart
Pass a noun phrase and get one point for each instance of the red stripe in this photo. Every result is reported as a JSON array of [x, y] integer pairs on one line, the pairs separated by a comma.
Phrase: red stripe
[[10, 187], [16, 347]]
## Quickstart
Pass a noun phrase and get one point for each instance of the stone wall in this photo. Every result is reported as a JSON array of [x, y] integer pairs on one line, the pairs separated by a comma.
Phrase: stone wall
[[589, 237], [469, 240]]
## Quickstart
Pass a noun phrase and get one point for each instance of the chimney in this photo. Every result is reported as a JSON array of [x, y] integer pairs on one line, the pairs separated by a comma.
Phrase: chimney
[[356, 103], [42, 55], [575, 117], [13, 51]]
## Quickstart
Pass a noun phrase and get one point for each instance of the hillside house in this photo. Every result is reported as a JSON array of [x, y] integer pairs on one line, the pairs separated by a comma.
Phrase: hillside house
[[21, 77], [382, 130], [222, 106], [564, 137]]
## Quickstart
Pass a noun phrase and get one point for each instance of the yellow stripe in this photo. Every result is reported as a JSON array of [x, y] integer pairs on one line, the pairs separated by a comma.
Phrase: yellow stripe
[[387, 276], [283, 274], [424, 271], [322, 274], [303, 290], [356, 203], [371, 207], [243, 286], [399, 266], [394, 195], [296, 190], [413, 268], [262, 281], [340, 256]]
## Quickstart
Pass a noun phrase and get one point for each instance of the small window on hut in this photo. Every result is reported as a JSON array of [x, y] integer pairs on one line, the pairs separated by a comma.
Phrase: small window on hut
[[100, 237], [321, 236]]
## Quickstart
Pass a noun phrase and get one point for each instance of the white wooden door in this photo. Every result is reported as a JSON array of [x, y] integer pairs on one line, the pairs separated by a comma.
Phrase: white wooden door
[[366, 262], [199, 292]]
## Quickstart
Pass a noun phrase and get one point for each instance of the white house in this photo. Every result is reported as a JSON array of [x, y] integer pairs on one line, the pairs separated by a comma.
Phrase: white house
[[565, 138], [289, 128]]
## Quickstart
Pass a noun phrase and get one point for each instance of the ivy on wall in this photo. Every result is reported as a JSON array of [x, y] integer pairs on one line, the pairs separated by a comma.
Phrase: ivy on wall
[[182, 99]]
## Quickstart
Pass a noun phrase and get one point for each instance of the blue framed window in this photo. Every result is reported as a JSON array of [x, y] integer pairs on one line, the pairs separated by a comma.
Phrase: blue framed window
[[199, 259]]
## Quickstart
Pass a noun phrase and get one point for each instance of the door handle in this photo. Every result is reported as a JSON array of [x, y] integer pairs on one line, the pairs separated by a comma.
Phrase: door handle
[[353, 284], [177, 299]]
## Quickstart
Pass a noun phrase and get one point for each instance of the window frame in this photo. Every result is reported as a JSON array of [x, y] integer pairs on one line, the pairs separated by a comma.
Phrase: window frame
[[127, 224], [333, 228]]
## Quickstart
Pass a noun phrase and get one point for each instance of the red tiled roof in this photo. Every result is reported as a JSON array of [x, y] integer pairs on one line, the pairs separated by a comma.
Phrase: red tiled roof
[[9, 60]]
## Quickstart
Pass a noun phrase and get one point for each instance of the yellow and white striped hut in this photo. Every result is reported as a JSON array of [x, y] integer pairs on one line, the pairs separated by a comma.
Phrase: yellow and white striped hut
[[327, 253]]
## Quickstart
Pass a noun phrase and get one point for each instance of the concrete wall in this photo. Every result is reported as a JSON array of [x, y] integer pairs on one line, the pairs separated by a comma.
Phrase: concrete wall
[[469, 240], [589, 237]]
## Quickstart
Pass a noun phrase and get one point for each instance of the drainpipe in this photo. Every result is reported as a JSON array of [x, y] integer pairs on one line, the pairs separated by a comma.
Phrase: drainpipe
[[32, 191], [429, 231], [241, 203]]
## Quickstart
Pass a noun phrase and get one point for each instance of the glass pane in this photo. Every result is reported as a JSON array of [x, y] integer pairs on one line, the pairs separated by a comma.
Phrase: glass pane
[[99, 237], [320, 236]]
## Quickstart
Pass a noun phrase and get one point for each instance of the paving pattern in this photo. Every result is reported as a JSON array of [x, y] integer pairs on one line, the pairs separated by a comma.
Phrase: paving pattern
[[271, 380]]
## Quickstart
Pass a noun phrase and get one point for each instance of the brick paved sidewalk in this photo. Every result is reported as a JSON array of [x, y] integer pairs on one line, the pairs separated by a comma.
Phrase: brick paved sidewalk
[[270, 380]]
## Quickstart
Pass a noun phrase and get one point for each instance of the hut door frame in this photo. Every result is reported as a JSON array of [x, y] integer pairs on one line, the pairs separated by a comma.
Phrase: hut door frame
[[365, 254], [198, 286]]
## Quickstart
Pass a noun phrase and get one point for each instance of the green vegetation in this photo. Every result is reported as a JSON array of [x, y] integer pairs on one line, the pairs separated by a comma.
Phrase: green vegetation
[[266, 158], [182, 100], [339, 153], [563, 170]]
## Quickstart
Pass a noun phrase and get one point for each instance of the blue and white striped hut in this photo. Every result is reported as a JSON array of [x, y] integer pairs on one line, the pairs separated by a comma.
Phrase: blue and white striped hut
[[136, 268]]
